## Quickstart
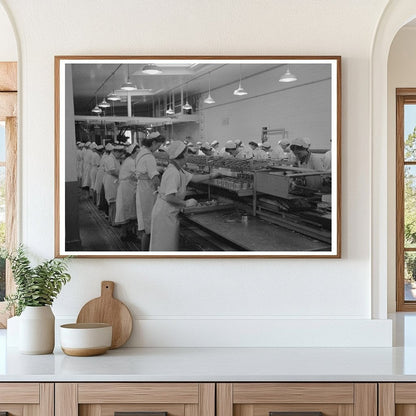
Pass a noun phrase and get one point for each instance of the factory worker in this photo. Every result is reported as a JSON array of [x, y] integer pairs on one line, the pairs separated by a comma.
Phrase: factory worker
[[111, 171], [99, 185], [243, 151], [126, 194], [327, 158], [148, 181], [266, 147], [171, 199], [95, 163], [258, 153], [277, 153], [206, 149], [215, 145], [79, 159], [304, 157], [289, 156], [86, 166], [230, 149]]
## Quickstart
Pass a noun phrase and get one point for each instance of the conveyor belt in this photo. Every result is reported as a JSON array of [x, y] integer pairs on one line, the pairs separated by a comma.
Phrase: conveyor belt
[[256, 235]]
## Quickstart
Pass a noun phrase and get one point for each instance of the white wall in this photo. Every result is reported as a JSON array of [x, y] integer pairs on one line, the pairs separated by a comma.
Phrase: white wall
[[8, 46], [211, 302], [401, 74]]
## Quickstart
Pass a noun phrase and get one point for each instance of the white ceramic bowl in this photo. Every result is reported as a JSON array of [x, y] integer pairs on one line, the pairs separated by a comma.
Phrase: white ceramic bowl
[[84, 340]]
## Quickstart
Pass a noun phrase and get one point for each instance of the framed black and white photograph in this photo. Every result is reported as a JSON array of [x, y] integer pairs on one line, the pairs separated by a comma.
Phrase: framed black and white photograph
[[198, 156]]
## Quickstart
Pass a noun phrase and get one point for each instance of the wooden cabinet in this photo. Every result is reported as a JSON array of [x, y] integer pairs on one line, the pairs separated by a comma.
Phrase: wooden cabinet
[[397, 399], [105, 399], [262, 399], [27, 399]]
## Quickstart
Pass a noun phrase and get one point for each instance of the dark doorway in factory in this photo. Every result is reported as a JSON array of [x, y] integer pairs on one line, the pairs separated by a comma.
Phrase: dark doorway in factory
[[406, 199]]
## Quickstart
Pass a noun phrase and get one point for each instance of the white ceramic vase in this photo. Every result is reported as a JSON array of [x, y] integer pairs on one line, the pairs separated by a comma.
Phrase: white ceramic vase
[[37, 330]]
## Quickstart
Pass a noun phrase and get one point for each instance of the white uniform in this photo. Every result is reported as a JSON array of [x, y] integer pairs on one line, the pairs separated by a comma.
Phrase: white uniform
[[111, 180], [277, 153], [99, 178], [244, 153], [146, 169], [80, 157], [86, 168], [126, 192], [165, 222], [260, 154], [95, 163], [313, 161], [326, 160]]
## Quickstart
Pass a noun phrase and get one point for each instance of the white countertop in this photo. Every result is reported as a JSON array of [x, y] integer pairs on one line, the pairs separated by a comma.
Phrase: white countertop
[[222, 364], [215, 364]]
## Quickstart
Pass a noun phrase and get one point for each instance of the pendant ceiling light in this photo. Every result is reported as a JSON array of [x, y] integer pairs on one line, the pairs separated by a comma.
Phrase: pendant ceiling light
[[128, 85], [104, 104], [97, 110], [113, 96], [209, 99], [187, 106], [151, 69], [287, 76], [170, 111], [240, 90]]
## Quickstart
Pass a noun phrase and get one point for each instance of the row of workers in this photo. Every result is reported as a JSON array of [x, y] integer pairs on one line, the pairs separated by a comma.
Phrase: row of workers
[[135, 191]]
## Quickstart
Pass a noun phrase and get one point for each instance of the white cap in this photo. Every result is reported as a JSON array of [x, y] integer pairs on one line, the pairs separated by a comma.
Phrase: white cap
[[302, 142], [93, 145], [266, 145], [214, 143], [153, 135], [175, 149], [109, 147], [206, 146], [230, 145]]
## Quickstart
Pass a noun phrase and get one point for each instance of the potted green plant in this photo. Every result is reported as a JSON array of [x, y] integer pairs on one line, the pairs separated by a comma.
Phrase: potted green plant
[[36, 289]]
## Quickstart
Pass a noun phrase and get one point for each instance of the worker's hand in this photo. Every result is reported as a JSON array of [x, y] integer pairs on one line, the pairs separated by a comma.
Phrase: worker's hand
[[215, 175], [191, 202]]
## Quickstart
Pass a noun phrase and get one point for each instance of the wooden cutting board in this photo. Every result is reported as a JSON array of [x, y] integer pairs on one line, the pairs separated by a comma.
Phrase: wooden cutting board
[[108, 310]]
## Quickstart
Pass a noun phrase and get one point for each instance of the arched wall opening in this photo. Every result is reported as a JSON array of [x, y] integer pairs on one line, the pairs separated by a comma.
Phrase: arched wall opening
[[383, 157]]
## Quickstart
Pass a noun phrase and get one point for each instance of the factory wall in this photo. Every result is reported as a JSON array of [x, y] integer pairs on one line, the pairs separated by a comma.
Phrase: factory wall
[[205, 302]]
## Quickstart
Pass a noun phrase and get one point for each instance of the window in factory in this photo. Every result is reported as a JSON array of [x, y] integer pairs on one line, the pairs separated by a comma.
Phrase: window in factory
[[406, 200]]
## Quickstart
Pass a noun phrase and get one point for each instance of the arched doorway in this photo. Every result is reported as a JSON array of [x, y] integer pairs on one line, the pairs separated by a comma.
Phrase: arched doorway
[[8, 149], [395, 16]]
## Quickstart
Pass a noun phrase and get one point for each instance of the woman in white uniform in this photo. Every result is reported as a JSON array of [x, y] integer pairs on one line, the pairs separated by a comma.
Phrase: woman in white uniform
[[304, 157], [171, 199], [95, 163], [99, 185], [126, 194], [148, 181], [111, 171]]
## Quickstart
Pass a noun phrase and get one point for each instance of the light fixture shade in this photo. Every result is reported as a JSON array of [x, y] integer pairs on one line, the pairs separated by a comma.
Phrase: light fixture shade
[[209, 100], [169, 111], [97, 110], [240, 90], [151, 69], [187, 106], [113, 97], [128, 86], [287, 77], [104, 104]]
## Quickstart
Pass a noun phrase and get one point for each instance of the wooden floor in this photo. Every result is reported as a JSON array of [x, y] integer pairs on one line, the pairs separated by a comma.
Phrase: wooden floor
[[97, 234]]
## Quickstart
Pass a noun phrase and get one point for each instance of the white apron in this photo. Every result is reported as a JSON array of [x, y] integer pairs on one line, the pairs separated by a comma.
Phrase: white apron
[[99, 178], [145, 195], [110, 181], [86, 168], [126, 193], [95, 163], [165, 223]]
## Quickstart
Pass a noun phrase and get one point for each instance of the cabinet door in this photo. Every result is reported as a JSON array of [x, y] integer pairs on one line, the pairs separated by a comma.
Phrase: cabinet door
[[397, 399], [297, 399], [142, 399], [26, 399]]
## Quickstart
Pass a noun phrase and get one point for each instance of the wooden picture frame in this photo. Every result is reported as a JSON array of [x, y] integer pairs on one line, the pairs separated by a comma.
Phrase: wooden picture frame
[[282, 205]]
